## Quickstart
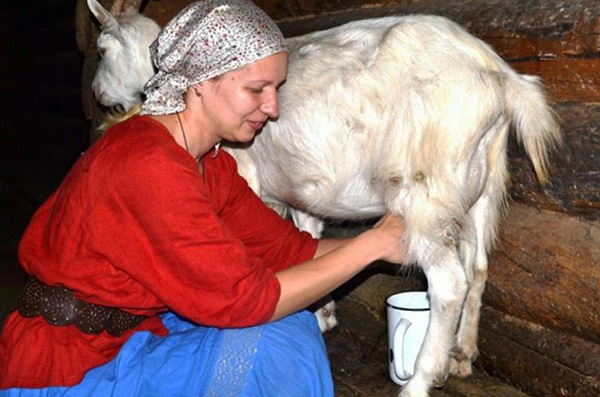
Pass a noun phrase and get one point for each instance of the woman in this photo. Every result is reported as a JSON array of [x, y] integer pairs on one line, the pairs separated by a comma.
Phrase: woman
[[155, 269]]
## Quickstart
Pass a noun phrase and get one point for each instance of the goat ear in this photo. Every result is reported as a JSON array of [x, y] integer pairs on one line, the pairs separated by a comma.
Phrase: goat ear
[[107, 21]]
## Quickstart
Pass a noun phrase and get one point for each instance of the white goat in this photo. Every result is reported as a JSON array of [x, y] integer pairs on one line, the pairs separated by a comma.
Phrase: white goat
[[409, 115], [117, 82]]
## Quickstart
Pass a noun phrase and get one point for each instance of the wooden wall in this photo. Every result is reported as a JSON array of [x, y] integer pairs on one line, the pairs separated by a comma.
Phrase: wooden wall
[[541, 318], [43, 127]]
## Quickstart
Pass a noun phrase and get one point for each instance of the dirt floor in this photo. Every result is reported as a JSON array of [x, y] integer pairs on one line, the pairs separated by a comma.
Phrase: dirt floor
[[358, 353]]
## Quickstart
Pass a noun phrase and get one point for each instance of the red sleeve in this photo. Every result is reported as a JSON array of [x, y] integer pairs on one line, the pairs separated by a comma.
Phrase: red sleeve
[[276, 241]]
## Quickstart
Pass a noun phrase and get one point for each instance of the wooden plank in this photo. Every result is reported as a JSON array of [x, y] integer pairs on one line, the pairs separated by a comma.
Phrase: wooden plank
[[537, 360], [566, 80], [558, 41], [544, 269], [575, 167], [162, 11]]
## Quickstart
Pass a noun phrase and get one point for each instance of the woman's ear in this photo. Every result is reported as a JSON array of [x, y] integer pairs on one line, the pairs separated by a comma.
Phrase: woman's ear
[[196, 90]]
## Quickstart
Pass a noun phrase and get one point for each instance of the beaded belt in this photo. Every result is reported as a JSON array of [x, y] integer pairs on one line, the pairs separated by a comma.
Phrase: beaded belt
[[58, 306]]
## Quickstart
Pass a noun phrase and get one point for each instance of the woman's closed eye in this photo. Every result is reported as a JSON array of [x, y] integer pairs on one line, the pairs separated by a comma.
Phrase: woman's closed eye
[[256, 90]]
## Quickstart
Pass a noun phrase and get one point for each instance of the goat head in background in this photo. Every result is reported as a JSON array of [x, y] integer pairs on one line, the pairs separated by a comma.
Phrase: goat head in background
[[125, 65]]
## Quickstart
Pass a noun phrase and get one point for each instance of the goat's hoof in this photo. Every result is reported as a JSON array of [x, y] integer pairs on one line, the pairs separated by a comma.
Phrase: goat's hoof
[[326, 317], [461, 364], [461, 368], [439, 382]]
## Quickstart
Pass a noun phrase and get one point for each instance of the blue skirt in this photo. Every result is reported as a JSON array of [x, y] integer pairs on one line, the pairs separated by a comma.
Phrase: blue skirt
[[283, 358]]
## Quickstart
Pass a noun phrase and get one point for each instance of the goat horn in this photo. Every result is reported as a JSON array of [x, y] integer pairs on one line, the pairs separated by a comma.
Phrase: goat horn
[[132, 5], [116, 8]]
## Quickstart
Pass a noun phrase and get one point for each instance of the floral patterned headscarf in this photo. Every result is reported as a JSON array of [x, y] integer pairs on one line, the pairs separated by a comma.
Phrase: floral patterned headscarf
[[206, 39]]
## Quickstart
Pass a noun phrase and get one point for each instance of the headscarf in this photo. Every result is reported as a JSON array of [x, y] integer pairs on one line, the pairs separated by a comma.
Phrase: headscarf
[[206, 39]]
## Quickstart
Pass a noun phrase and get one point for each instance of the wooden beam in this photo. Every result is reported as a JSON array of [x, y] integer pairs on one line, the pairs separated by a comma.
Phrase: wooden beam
[[539, 361], [566, 80], [544, 269], [556, 40], [575, 167]]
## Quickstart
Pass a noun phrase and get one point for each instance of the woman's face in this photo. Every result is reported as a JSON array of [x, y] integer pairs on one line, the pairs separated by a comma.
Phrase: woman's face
[[239, 103]]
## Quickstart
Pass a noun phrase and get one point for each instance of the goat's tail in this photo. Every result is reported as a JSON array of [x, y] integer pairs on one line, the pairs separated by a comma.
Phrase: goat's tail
[[534, 121]]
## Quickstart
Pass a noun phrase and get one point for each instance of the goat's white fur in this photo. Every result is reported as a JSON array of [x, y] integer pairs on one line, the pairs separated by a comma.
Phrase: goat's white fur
[[118, 82], [409, 115]]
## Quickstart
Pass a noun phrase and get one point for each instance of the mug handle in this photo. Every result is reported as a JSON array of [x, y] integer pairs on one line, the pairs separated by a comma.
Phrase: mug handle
[[398, 347]]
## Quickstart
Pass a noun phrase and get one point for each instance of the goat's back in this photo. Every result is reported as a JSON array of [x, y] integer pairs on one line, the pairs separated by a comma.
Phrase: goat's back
[[371, 104]]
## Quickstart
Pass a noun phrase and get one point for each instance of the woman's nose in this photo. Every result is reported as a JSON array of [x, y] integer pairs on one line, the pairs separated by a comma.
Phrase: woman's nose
[[270, 106]]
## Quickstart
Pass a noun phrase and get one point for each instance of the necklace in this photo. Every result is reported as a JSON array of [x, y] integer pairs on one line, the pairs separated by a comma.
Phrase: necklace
[[183, 133], [217, 146]]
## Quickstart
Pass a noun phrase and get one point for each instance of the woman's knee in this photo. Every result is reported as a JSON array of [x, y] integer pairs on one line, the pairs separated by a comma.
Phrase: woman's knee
[[292, 357]]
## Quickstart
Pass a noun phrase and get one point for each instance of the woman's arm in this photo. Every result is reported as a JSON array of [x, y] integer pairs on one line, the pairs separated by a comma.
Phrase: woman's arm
[[329, 244], [335, 262]]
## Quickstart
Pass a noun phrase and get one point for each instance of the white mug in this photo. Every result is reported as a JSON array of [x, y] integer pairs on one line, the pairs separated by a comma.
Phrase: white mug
[[407, 321]]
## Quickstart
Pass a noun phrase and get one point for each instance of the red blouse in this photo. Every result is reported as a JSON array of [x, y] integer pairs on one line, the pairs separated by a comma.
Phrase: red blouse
[[134, 225]]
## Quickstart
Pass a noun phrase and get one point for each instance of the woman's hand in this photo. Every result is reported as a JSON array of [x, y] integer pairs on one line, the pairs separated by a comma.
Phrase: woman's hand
[[336, 262], [388, 233]]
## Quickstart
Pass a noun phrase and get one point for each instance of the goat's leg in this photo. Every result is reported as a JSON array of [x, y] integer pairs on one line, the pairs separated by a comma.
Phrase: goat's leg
[[475, 260], [324, 311], [447, 288]]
